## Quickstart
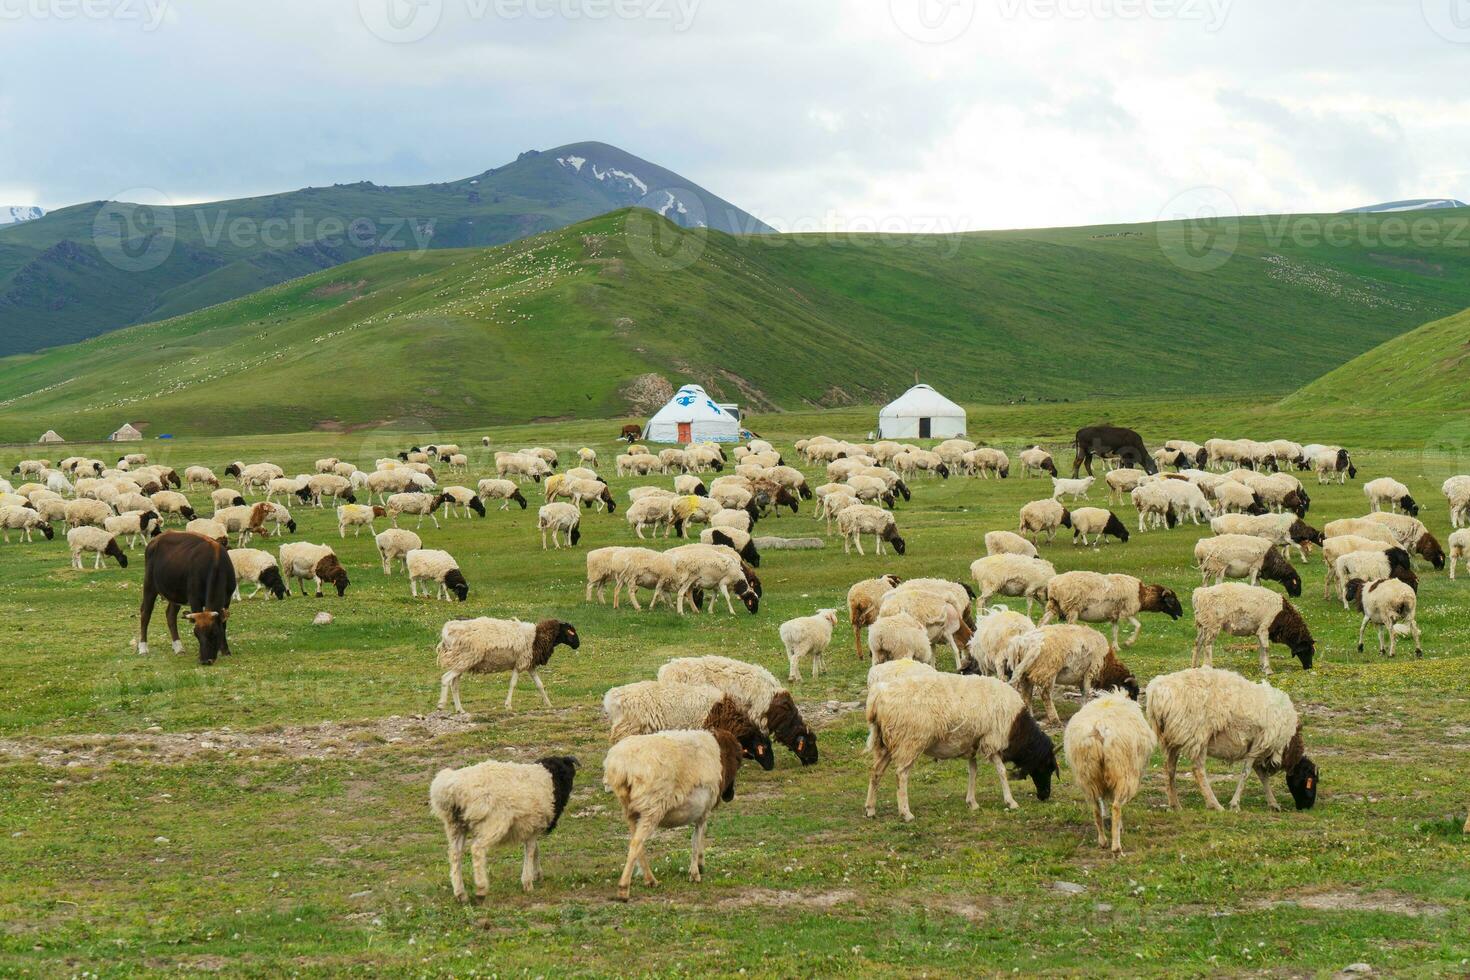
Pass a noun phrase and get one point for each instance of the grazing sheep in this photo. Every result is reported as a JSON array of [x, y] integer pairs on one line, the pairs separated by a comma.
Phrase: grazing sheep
[[1388, 604], [711, 568], [394, 544], [1093, 598], [322, 485], [1335, 548], [899, 637], [1108, 744], [688, 485], [172, 502], [1459, 549], [427, 566], [1076, 489], [870, 489], [1204, 712], [732, 520], [209, 528], [1187, 500], [1370, 566], [862, 519], [461, 501], [1037, 460], [1457, 492], [421, 504], [302, 561], [1413, 535], [1389, 494], [653, 511], [87, 511], [259, 567], [1237, 609], [1066, 654], [1244, 556], [357, 517], [863, 602], [948, 716], [226, 497], [25, 520], [97, 541], [489, 646], [734, 538], [1121, 482], [983, 462], [1008, 543], [521, 466], [1285, 531], [1331, 461], [990, 647], [757, 691], [1088, 521], [503, 490], [668, 706], [496, 803], [1015, 576], [559, 519], [1154, 505], [670, 779], [1043, 516], [137, 525], [1237, 498]]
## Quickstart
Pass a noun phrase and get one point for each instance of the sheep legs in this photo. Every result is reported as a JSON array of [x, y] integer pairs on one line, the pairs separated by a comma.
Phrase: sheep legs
[[639, 832], [696, 851], [1171, 768], [881, 758], [479, 849], [448, 684], [530, 867], [540, 688], [1005, 782], [1202, 779], [970, 786], [456, 861]]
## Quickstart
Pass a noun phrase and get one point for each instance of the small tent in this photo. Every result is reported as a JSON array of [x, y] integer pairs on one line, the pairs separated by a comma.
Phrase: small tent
[[126, 434], [692, 416], [50, 436], [921, 413]]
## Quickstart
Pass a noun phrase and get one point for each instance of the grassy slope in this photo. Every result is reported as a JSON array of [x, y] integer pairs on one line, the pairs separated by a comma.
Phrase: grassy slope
[[262, 863], [555, 325], [1423, 370]]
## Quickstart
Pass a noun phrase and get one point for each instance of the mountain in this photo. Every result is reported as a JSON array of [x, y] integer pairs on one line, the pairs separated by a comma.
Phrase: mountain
[[88, 269], [600, 319], [1418, 204], [13, 214]]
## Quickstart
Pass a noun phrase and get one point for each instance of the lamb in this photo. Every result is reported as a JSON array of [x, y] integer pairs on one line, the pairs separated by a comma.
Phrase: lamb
[[1093, 598], [709, 568], [899, 637], [1094, 520], [488, 646], [1037, 460], [1389, 494], [302, 561], [421, 504], [947, 716], [200, 476], [496, 803], [757, 691], [1043, 516], [259, 567], [136, 525], [87, 511], [97, 541], [854, 522], [1207, 712], [1244, 556], [503, 490], [462, 500], [1016, 576], [1388, 604], [209, 528], [1286, 531], [173, 502], [1236, 609], [1066, 654], [1459, 549], [659, 706], [24, 520], [990, 647], [394, 544], [1457, 492], [1370, 566], [560, 519], [1008, 543], [1076, 489], [670, 779], [1413, 535], [1108, 744], [426, 566], [863, 602], [357, 517]]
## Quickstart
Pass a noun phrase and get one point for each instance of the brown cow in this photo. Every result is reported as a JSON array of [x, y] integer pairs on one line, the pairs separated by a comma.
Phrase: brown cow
[[189, 569]]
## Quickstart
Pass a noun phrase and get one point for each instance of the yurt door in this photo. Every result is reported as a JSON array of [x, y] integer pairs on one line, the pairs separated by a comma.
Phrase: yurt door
[[925, 426], [686, 433]]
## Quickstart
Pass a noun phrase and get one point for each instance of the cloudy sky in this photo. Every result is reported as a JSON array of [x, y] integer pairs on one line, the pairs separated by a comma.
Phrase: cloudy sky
[[925, 114]]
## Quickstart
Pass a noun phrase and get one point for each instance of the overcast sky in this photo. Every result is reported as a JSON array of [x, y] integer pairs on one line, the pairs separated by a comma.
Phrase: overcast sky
[[925, 114]]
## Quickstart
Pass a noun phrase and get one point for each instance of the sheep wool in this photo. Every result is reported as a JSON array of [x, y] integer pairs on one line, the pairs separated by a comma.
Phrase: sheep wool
[[1013, 576], [808, 636], [1244, 556], [863, 600], [899, 637], [1237, 609], [487, 646], [1065, 654], [429, 567], [1089, 521], [757, 691], [1387, 604], [660, 706], [1043, 517], [990, 647], [561, 519], [259, 567], [97, 541], [301, 560], [1108, 744], [1094, 598]]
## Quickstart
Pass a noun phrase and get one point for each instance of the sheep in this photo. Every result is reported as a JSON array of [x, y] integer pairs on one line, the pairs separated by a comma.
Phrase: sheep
[[339, 488], [668, 706], [953, 451], [126, 502], [209, 528], [709, 568], [382, 483], [289, 486], [97, 541], [1154, 505], [559, 519], [1237, 498], [853, 522], [863, 602], [1093, 598], [1043, 516], [990, 647], [1237, 609], [947, 716], [421, 504], [1203, 712], [757, 691], [1459, 549], [503, 490], [226, 497], [172, 502], [256, 476], [1456, 491], [1123, 481], [87, 511], [899, 636], [1037, 460], [496, 803], [1285, 531], [1008, 543], [670, 779], [1076, 489], [1094, 520], [654, 512], [521, 466], [731, 537], [326, 465], [1286, 451], [488, 646], [1016, 576], [259, 567], [1388, 604], [461, 501], [1066, 654], [1244, 556], [24, 520], [912, 461], [357, 517], [1372, 565], [890, 480], [425, 566], [1413, 535], [1331, 461], [1187, 500], [1389, 494], [893, 670], [730, 496], [688, 485], [869, 489], [200, 476], [1108, 744], [584, 493], [137, 525], [302, 561], [983, 462]]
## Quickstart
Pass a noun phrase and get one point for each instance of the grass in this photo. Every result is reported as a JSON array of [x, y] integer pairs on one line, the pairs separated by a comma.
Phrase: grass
[[292, 848], [1423, 371]]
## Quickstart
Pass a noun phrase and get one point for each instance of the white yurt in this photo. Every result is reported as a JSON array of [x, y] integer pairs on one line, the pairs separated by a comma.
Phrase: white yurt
[[126, 434], [692, 416], [921, 413], [50, 436]]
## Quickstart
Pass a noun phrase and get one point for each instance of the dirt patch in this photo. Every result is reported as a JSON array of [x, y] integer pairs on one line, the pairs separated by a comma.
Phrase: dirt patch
[[647, 393], [776, 898], [823, 714], [1347, 901], [337, 289], [333, 425]]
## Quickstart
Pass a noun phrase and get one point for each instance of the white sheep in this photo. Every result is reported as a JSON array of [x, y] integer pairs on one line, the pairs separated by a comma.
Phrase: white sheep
[[505, 491], [1108, 744], [429, 567], [418, 503], [942, 611], [357, 517], [990, 647], [25, 520], [1388, 604], [756, 690], [1204, 712], [301, 560], [1015, 576], [899, 637], [1008, 543], [1457, 492], [1286, 531], [87, 511], [1370, 565], [135, 525], [394, 544], [1089, 521], [226, 497], [1124, 481], [712, 568], [1459, 549], [1093, 598], [210, 528], [653, 511], [863, 602], [1066, 654], [1413, 535], [1037, 460], [559, 519], [1244, 556], [1154, 505], [1389, 494], [668, 706], [1076, 489], [1043, 516], [97, 541], [488, 646], [854, 522], [1237, 609]]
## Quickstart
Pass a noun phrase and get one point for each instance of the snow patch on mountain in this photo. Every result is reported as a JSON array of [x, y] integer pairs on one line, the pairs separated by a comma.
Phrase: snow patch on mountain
[[573, 163], [672, 202], [15, 214], [1419, 204], [612, 174]]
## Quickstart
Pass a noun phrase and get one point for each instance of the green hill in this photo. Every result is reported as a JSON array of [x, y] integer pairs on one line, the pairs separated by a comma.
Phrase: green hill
[[572, 323]]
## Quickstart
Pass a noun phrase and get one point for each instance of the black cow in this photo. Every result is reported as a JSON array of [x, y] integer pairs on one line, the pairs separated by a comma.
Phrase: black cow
[[1106, 441], [189, 569]]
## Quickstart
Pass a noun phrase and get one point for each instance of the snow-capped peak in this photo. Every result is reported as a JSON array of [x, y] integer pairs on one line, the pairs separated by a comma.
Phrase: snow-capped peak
[[15, 214]]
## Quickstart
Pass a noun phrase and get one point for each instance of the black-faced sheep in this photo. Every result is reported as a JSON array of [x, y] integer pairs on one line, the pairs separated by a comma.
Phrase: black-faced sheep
[[491, 646]]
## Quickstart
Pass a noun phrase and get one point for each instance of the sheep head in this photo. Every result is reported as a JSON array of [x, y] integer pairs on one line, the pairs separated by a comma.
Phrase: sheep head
[[1290, 630], [1428, 548], [1278, 569], [1117, 529], [1032, 753], [454, 580]]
